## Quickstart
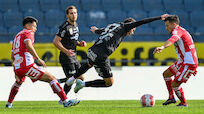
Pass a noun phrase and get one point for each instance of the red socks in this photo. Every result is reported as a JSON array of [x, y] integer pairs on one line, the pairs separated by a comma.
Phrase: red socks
[[58, 90], [169, 88], [14, 91], [180, 94]]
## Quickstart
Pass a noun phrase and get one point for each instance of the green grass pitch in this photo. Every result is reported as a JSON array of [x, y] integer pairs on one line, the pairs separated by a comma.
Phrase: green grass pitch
[[101, 107]]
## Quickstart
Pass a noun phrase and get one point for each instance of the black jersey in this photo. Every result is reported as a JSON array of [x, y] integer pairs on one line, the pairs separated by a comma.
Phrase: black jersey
[[69, 34], [112, 35]]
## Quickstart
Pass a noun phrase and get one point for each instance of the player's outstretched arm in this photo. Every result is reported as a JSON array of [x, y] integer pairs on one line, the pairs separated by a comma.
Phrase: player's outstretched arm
[[96, 30], [132, 25], [159, 49], [32, 51]]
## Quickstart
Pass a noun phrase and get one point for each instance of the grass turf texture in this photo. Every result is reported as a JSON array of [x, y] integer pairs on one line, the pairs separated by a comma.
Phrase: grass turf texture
[[101, 107]]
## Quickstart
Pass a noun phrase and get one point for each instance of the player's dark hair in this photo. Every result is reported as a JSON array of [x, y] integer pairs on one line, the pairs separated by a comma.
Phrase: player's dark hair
[[29, 19], [128, 20], [172, 19], [70, 7]]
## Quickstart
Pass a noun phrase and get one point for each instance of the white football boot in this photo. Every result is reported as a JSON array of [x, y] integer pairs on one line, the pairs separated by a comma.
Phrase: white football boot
[[71, 102], [9, 105]]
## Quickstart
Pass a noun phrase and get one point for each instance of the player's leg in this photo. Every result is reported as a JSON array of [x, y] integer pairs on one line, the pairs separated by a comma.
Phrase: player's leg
[[14, 89], [179, 93], [104, 71], [79, 74], [13, 93], [184, 73]]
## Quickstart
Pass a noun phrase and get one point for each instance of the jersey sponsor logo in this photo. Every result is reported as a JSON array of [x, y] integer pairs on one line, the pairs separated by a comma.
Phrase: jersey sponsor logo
[[33, 73], [91, 55], [18, 61], [71, 31]]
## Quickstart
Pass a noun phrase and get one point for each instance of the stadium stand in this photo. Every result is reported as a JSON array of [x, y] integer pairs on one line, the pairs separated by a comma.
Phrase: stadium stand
[[3, 36], [143, 33], [97, 18], [161, 34], [111, 5], [54, 18], [65, 3], [138, 15], [43, 35], [116, 16], [132, 5], [26, 5], [200, 34], [196, 18], [38, 15], [173, 5], [153, 14], [6, 5], [13, 31], [50, 14], [150, 5], [46, 5], [13, 18], [87, 5], [193, 5]]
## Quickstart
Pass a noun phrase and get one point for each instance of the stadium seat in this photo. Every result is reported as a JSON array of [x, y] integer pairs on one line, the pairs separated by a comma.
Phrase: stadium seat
[[54, 18], [38, 15], [173, 5], [6, 5], [193, 5], [150, 5], [1, 20], [197, 18], [138, 15], [26, 5], [143, 33], [183, 17], [82, 18], [13, 32], [96, 18], [161, 34], [3, 35], [43, 35], [132, 5], [46, 5], [65, 3], [91, 5], [53, 31], [13, 18], [86, 34], [199, 35], [116, 16], [154, 14], [111, 5]]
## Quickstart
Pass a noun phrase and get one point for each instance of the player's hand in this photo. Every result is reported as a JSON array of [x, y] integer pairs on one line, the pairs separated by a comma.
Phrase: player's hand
[[83, 44], [93, 28], [70, 52], [158, 49], [41, 62], [164, 16]]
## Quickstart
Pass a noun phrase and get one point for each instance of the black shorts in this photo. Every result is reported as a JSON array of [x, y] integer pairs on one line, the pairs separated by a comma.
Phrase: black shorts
[[69, 68], [101, 64]]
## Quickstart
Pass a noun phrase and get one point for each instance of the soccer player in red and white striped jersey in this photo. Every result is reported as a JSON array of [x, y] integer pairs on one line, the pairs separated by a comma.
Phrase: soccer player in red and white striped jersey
[[187, 59], [23, 55]]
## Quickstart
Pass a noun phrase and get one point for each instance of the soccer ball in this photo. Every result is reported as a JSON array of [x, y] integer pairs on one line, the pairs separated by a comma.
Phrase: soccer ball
[[147, 100]]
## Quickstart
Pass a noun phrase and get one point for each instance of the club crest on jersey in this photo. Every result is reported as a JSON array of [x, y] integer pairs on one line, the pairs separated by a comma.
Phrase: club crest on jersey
[[71, 31]]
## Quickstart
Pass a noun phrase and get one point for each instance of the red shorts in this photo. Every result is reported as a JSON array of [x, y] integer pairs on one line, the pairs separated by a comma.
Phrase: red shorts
[[33, 71], [182, 72]]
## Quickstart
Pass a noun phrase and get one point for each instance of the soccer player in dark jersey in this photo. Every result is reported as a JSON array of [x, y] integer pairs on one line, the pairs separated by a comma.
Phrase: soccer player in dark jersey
[[108, 41], [66, 41]]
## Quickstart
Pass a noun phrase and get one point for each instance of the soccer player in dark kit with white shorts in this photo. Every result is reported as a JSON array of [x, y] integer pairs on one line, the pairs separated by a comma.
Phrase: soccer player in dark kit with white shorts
[[108, 41]]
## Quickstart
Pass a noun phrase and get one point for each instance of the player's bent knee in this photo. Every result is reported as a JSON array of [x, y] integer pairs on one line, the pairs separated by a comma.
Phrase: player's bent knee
[[109, 82], [47, 77]]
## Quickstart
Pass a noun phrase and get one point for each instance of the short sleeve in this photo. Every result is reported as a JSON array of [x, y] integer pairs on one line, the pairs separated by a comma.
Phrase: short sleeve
[[29, 36], [175, 36], [61, 32]]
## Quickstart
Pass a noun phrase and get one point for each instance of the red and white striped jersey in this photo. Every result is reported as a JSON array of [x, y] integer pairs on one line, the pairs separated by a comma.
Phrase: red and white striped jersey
[[22, 57], [184, 46]]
